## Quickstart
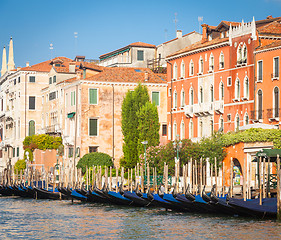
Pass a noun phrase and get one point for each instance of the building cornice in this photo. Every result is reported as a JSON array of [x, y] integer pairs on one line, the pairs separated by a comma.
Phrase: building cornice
[[267, 50]]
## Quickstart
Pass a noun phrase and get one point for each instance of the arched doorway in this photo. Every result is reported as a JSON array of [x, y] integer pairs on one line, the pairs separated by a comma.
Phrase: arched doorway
[[237, 172]]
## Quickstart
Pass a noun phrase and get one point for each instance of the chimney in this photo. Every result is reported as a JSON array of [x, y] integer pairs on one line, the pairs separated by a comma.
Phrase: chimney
[[146, 76], [204, 32], [179, 33], [27, 64], [72, 67], [269, 17]]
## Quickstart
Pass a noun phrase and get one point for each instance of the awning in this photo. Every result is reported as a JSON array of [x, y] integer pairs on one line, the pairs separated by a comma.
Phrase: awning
[[70, 115], [268, 153]]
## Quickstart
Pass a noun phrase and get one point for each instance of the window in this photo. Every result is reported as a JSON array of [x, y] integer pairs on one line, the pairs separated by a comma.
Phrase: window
[[15, 81], [228, 117], [276, 67], [276, 103], [70, 152], [31, 103], [191, 100], [50, 80], [229, 81], [57, 65], [201, 65], [93, 96], [246, 88], [191, 129], [200, 128], [237, 88], [73, 99], [155, 98], [182, 69], [14, 152], [170, 92], [182, 98], [182, 133], [31, 78], [237, 122], [175, 131], [244, 54], [211, 63], [260, 104], [175, 71], [140, 55], [259, 73], [164, 129], [246, 119], [175, 99], [170, 133], [93, 127], [212, 93], [239, 55], [18, 79], [31, 128], [191, 68], [18, 151], [201, 95], [93, 149], [211, 126], [221, 60], [52, 96], [54, 79], [221, 125]]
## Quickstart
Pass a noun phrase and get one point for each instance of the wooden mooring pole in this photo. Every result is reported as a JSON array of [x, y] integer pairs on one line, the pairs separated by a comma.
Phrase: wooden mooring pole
[[278, 189]]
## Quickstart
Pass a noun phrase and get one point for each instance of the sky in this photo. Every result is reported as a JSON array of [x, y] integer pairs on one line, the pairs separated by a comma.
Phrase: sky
[[104, 26]]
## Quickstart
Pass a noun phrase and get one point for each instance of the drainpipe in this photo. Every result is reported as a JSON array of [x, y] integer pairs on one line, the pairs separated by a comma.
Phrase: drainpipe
[[75, 134], [255, 82], [171, 109], [113, 136]]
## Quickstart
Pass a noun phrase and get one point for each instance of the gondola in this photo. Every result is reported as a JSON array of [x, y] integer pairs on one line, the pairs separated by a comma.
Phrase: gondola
[[136, 197], [6, 190], [20, 191], [67, 191], [78, 196], [117, 197], [268, 209], [160, 202], [44, 194]]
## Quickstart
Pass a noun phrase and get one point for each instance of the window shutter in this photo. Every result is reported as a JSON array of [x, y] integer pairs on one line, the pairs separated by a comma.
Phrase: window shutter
[[50, 80], [93, 96], [32, 103], [276, 66], [54, 79], [93, 127], [155, 98]]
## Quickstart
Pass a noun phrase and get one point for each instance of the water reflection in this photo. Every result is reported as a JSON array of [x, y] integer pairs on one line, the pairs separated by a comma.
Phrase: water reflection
[[46, 219]]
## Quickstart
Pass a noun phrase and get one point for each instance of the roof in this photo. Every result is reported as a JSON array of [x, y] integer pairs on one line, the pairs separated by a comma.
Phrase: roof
[[125, 74], [199, 45], [136, 44], [268, 153], [181, 37], [46, 65], [269, 46], [91, 65], [273, 28]]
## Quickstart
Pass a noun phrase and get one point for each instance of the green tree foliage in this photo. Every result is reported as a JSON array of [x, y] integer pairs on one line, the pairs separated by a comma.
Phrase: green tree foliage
[[42, 142], [94, 159], [131, 105], [148, 126], [20, 165]]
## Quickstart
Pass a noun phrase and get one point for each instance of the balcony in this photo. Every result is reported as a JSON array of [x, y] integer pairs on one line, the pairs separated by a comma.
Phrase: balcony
[[188, 110], [257, 115], [218, 107], [68, 140], [203, 109], [53, 129], [273, 114], [275, 76]]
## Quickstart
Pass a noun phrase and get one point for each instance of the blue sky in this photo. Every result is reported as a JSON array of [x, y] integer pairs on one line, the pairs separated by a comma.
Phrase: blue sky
[[103, 26]]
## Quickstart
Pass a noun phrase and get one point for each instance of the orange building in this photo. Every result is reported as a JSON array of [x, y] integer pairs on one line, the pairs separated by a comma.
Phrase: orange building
[[211, 84]]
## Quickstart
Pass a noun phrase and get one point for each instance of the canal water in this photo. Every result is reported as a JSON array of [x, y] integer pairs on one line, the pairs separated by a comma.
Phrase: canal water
[[47, 219]]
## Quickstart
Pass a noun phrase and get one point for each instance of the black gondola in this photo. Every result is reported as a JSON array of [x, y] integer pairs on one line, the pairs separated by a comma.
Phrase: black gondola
[[44, 194]]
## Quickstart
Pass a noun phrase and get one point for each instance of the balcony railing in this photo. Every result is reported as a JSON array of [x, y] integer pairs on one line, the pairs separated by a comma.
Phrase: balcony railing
[[275, 76], [188, 109], [218, 106], [56, 128], [273, 114], [257, 115]]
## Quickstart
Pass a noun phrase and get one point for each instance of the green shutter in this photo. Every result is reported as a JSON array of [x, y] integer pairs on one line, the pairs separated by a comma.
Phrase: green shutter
[[155, 98], [18, 151], [31, 128], [74, 98], [50, 80], [54, 79], [93, 127], [93, 96]]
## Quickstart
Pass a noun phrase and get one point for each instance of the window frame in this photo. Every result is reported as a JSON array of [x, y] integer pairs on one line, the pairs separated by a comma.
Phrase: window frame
[[29, 102], [31, 77], [260, 77], [138, 56], [89, 130], [274, 69], [97, 100]]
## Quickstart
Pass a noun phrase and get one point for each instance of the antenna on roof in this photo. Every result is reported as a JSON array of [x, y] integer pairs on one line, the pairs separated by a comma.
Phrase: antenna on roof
[[176, 22], [76, 42], [200, 21], [51, 50]]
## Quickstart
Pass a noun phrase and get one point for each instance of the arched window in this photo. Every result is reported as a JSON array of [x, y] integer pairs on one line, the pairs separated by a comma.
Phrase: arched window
[[246, 119], [211, 62], [182, 133], [169, 132], [221, 124], [182, 69], [31, 128], [221, 60], [237, 88], [191, 68], [175, 99], [276, 103], [244, 54], [237, 122], [221, 93], [200, 128], [175, 72], [191, 97], [212, 93], [260, 104], [239, 54], [212, 127], [182, 98], [201, 95], [201, 65], [246, 87], [175, 131], [191, 129]]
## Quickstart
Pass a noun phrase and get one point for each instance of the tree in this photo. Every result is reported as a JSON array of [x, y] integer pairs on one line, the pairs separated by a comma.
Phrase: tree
[[20, 165], [94, 159], [132, 103], [148, 126]]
